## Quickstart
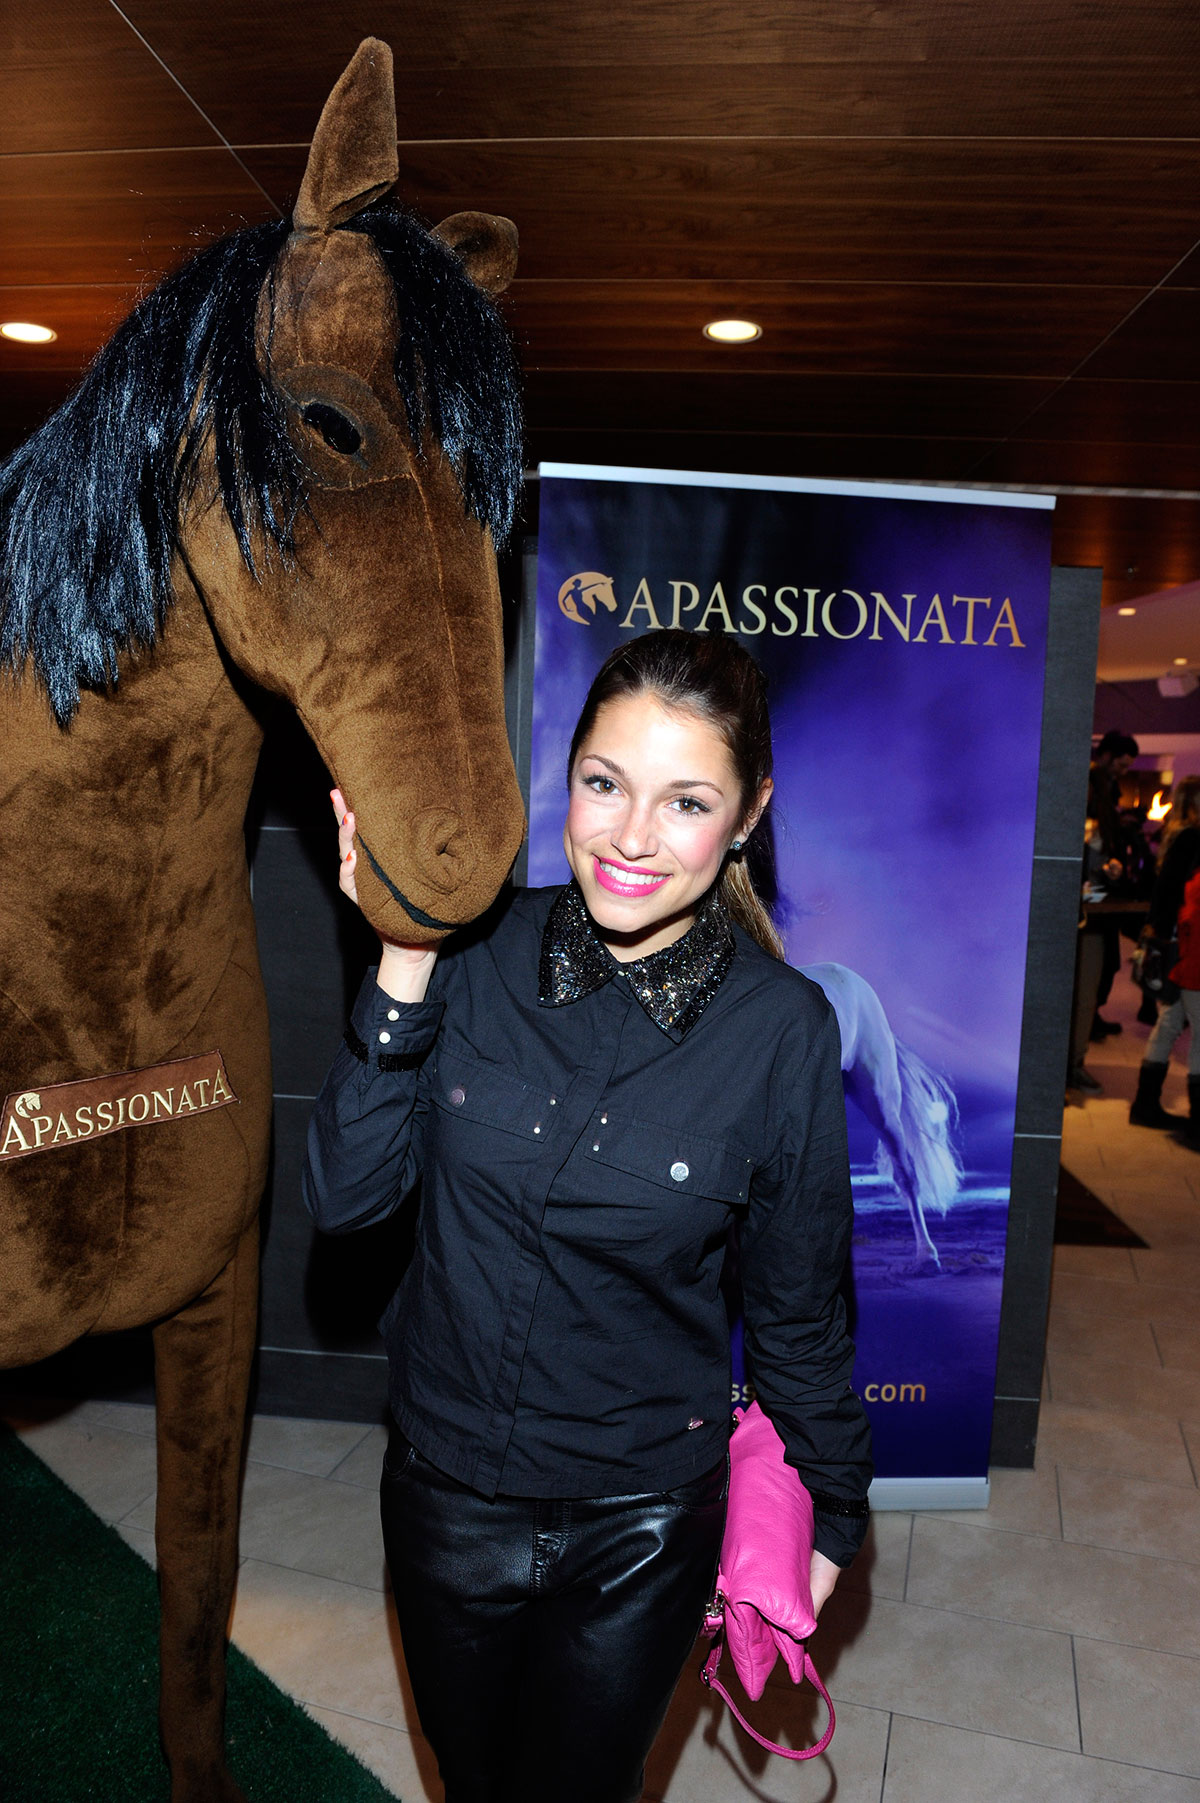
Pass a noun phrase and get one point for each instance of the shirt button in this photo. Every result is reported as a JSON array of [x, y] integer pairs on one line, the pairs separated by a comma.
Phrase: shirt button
[[393, 1014], [596, 1147], [679, 1172], [385, 1039], [458, 1096], [554, 1101], [538, 1128], [604, 1120]]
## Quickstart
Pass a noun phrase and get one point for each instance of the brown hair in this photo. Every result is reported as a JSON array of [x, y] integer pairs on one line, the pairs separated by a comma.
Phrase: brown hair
[[715, 679], [1185, 799]]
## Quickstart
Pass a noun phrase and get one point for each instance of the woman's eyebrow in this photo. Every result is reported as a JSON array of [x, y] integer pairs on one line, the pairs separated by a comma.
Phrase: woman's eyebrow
[[680, 782]]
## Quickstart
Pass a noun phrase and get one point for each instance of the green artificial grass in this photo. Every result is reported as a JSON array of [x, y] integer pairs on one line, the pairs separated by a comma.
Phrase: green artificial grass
[[79, 1670]]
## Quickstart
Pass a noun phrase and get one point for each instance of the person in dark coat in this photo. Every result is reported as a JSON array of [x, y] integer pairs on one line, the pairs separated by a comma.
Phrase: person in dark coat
[[597, 1090], [1180, 860]]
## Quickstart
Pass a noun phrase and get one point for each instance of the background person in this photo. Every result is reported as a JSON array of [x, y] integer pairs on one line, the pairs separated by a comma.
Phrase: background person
[[1179, 859], [594, 1088]]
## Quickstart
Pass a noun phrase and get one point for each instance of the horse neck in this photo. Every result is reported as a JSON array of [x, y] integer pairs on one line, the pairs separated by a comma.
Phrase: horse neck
[[138, 885]]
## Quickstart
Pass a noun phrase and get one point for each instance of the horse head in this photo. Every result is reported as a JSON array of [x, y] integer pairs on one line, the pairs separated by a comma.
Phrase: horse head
[[374, 607]]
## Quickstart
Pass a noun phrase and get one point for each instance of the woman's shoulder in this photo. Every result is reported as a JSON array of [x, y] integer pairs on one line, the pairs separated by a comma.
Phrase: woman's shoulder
[[781, 987]]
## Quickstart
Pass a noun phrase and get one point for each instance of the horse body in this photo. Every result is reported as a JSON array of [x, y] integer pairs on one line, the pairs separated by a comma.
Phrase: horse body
[[909, 1106], [310, 507]]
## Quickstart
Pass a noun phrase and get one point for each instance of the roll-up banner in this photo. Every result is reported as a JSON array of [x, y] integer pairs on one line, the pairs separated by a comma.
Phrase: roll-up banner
[[903, 633]]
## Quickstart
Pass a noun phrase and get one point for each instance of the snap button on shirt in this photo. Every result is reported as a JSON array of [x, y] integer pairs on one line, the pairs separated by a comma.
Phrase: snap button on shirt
[[458, 1095], [680, 1172]]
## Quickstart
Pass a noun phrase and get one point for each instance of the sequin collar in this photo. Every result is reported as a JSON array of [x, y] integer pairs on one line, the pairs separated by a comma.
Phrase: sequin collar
[[674, 985]]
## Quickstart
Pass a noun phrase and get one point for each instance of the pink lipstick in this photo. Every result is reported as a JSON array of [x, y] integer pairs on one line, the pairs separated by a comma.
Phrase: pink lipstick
[[623, 879]]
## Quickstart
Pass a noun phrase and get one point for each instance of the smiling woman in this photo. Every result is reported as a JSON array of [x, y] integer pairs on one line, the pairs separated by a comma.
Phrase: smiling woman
[[597, 1090]]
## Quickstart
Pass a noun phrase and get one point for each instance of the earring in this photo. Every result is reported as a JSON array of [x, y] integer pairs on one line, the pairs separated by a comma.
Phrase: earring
[[737, 845]]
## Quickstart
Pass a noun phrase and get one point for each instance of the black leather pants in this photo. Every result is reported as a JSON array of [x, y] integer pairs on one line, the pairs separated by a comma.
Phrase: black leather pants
[[544, 1639]]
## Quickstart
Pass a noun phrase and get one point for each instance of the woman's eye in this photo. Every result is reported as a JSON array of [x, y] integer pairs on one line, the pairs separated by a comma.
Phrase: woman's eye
[[688, 804], [603, 785]]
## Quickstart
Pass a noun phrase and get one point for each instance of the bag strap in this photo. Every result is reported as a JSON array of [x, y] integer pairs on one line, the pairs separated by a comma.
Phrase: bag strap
[[708, 1675]]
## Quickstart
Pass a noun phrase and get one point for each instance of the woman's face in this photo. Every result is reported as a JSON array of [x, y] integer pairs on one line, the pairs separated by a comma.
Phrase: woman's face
[[654, 805]]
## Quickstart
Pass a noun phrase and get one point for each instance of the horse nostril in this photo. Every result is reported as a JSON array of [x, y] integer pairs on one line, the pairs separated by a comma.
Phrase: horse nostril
[[442, 851]]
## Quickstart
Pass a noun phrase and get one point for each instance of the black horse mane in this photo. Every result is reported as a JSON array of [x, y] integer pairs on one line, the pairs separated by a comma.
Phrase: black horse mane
[[90, 504]]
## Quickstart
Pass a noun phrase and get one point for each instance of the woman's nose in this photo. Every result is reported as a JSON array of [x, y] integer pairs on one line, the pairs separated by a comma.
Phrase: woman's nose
[[633, 837]]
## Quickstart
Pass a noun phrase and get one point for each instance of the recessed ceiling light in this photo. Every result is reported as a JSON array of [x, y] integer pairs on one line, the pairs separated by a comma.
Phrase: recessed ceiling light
[[732, 331], [23, 333], [1127, 610], [1181, 660]]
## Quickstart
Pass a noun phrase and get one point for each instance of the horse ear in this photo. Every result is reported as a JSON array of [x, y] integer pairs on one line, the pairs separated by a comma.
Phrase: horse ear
[[485, 244], [353, 157]]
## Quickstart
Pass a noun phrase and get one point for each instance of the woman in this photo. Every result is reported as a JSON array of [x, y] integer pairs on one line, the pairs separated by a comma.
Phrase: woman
[[1179, 860], [595, 1087]]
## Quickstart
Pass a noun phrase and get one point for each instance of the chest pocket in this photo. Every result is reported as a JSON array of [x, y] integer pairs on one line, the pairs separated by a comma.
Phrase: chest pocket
[[467, 1089], [679, 1161]]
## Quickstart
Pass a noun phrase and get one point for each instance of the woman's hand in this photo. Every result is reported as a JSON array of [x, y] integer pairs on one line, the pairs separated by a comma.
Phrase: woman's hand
[[404, 970], [823, 1575]]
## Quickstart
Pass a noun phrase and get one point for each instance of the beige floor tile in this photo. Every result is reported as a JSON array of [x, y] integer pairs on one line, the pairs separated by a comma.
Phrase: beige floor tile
[[1111, 1440], [1023, 1502], [329, 1644], [140, 1539], [363, 1465], [948, 1667], [882, 1565], [1139, 1706], [307, 1523], [1179, 1344], [1095, 1337], [113, 1471], [130, 1417], [312, 1446], [1109, 1262], [1176, 1268], [403, 1763], [1103, 1383], [1140, 1301], [1132, 1515], [701, 1756], [1066, 1587], [930, 1764]]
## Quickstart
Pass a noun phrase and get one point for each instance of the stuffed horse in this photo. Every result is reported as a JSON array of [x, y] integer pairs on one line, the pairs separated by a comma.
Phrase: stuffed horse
[[287, 466]]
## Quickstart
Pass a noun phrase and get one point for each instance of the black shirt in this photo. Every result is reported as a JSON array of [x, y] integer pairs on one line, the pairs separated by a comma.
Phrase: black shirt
[[587, 1134]]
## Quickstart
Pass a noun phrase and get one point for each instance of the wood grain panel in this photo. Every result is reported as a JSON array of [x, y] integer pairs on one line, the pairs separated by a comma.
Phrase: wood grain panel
[[827, 326], [1109, 214], [1126, 412], [1143, 545], [1079, 462], [780, 454], [118, 218], [73, 76], [1160, 343], [83, 317], [825, 405]]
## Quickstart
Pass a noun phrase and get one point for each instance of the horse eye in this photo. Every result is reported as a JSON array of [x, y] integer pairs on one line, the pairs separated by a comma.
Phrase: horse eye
[[340, 434]]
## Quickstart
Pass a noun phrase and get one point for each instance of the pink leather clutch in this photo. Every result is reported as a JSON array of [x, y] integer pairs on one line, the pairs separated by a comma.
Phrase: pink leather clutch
[[763, 1605]]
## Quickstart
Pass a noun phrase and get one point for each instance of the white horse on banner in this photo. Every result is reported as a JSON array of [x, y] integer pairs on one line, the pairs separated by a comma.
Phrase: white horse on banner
[[910, 1107]]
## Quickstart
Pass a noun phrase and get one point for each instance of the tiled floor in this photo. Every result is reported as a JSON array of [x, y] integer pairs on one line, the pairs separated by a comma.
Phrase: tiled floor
[[1046, 1651]]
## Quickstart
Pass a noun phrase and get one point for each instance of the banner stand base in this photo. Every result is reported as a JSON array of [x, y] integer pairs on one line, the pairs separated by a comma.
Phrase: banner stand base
[[929, 1493]]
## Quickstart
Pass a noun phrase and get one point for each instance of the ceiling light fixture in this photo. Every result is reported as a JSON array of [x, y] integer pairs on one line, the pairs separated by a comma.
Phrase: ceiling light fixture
[[732, 331], [21, 332], [1127, 610], [1181, 660]]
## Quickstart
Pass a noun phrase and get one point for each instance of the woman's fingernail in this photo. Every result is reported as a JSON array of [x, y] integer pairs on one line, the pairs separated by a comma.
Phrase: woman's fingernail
[[345, 817]]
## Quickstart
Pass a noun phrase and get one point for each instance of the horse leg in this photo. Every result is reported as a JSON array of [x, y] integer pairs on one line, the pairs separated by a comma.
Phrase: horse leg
[[202, 1361], [878, 1095]]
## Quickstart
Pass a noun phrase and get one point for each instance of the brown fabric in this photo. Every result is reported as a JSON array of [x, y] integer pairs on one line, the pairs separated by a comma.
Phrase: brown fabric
[[126, 931]]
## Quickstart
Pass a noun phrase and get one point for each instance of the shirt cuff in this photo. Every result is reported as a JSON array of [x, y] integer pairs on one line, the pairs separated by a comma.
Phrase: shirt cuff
[[389, 1034], [839, 1537]]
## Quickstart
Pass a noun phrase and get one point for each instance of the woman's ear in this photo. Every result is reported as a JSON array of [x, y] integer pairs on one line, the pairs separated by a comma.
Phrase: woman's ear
[[756, 812]]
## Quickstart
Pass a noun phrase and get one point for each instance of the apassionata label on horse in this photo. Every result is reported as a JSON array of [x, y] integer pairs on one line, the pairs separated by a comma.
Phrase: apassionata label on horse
[[63, 1114]]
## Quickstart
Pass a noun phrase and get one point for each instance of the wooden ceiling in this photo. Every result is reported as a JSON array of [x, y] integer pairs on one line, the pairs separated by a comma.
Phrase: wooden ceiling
[[971, 232]]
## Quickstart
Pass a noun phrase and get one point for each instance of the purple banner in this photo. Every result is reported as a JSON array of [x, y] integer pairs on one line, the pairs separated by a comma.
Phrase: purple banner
[[903, 634]]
